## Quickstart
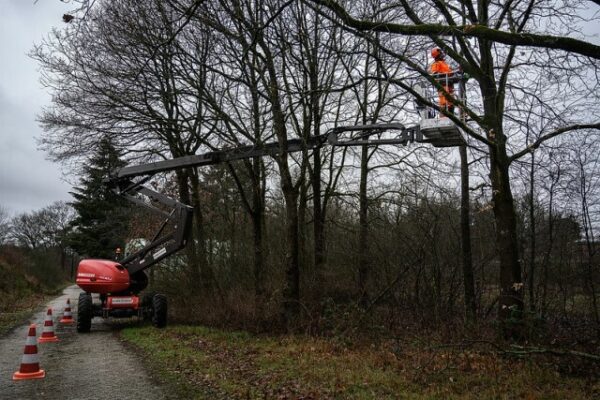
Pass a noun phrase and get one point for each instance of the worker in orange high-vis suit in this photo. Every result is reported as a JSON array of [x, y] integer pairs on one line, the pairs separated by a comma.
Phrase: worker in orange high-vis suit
[[440, 66]]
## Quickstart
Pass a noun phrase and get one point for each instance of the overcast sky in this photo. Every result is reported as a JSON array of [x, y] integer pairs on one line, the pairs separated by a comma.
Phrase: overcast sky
[[27, 180]]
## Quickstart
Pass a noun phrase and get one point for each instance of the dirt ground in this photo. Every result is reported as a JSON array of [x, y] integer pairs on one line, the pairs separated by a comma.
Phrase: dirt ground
[[81, 366]]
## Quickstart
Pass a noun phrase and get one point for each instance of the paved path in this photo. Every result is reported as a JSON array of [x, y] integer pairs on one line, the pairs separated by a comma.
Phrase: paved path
[[81, 366]]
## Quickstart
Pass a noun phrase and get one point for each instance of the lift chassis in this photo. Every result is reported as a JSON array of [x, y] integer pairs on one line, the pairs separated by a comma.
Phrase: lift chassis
[[119, 283]]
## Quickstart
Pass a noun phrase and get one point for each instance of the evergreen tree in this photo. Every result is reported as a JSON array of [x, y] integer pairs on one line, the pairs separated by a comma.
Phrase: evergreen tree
[[102, 218]]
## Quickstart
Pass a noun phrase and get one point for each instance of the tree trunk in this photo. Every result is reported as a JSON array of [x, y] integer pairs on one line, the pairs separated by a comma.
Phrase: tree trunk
[[363, 235], [319, 215], [531, 274], [257, 227], [207, 278], [303, 260], [511, 287], [317, 112], [465, 225], [184, 197], [291, 291], [258, 215], [548, 254]]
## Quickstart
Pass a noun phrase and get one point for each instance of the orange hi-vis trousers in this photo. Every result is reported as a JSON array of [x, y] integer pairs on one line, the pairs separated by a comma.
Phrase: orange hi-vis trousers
[[441, 67]]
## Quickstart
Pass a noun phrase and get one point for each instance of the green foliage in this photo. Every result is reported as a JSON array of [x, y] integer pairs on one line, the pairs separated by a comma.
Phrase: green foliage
[[101, 222]]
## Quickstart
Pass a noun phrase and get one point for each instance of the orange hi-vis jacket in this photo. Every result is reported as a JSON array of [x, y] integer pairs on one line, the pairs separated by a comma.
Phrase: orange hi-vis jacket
[[442, 67]]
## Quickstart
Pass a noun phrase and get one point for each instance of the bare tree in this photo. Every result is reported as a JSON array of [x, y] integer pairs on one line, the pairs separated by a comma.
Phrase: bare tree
[[42, 229], [56, 220], [142, 92], [492, 60], [27, 232]]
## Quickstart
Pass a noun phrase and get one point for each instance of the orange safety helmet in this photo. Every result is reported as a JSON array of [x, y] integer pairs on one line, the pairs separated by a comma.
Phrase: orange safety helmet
[[437, 53]]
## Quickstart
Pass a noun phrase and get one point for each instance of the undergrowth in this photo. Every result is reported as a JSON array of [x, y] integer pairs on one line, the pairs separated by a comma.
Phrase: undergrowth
[[25, 284]]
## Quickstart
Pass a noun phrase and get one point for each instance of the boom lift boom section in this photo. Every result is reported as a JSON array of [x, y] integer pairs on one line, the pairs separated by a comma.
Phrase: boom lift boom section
[[129, 181], [118, 283]]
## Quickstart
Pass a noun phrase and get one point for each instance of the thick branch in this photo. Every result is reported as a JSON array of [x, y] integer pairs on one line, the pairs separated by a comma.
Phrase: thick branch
[[479, 31], [551, 135]]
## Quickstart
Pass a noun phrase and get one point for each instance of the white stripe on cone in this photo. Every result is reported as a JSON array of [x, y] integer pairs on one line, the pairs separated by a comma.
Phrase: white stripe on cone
[[30, 359], [48, 330], [67, 316]]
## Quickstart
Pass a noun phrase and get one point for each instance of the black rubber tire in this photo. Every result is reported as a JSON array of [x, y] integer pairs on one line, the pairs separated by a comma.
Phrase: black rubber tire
[[85, 310], [148, 309], [159, 308]]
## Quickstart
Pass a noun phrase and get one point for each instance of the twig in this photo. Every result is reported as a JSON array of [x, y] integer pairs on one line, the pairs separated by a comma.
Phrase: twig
[[523, 351]]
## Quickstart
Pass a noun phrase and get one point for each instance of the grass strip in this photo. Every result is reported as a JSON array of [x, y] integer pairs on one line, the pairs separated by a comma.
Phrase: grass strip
[[203, 363]]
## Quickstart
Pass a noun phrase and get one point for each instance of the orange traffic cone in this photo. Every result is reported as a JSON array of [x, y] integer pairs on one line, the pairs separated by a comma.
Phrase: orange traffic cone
[[48, 331], [67, 317], [30, 364]]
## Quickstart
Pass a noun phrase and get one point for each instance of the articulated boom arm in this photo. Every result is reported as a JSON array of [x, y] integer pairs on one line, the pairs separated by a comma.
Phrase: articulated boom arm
[[163, 246], [123, 183]]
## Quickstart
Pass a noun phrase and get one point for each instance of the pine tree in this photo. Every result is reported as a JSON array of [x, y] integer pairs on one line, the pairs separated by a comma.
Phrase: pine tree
[[102, 218]]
